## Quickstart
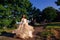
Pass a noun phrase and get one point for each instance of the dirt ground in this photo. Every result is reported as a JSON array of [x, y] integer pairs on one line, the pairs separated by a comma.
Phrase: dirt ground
[[37, 29]]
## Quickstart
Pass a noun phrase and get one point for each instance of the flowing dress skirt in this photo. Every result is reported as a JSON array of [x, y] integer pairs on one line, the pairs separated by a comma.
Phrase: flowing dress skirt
[[24, 31]]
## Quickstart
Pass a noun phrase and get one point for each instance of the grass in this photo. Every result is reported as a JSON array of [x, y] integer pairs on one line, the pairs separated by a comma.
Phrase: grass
[[44, 33], [7, 30], [53, 25], [49, 27]]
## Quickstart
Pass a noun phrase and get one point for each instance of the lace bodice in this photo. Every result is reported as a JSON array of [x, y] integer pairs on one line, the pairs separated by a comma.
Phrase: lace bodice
[[24, 21]]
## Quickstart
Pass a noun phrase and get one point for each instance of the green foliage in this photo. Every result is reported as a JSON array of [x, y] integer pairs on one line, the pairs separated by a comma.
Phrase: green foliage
[[58, 2], [49, 13], [36, 14], [53, 27], [46, 33], [13, 10]]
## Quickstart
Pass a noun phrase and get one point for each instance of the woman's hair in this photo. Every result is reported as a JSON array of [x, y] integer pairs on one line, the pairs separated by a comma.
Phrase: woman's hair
[[23, 16]]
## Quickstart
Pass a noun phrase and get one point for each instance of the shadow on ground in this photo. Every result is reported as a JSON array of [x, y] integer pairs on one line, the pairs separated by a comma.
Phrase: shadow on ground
[[7, 34]]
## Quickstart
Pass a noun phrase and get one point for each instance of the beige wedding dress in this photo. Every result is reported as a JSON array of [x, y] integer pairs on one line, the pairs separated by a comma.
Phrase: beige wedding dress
[[24, 30]]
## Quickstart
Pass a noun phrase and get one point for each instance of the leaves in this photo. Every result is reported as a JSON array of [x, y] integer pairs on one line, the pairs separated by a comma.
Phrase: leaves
[[13, 9], [49, 13], [58, 2]]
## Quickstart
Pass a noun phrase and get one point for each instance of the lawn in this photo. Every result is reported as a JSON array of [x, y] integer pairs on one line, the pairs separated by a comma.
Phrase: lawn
[[49, 25], [37, 29], [7, 30], [53, 25]]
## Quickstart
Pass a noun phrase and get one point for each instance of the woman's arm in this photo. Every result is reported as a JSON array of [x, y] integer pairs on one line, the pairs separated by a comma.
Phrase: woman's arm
[[21, 21]]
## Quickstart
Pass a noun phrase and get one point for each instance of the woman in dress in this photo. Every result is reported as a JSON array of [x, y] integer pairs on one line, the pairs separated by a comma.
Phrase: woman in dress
[[24, 30]]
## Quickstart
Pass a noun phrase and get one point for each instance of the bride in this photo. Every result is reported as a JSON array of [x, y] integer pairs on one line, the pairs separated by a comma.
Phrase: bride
[[24, 30]]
